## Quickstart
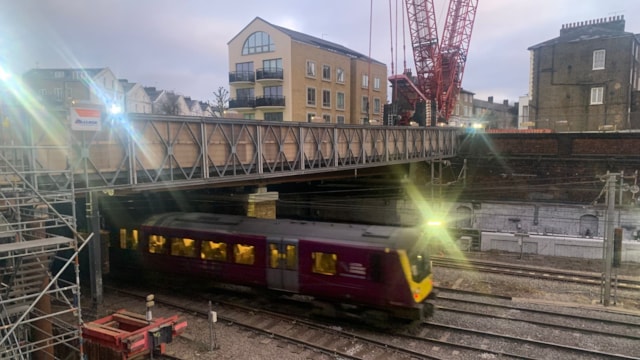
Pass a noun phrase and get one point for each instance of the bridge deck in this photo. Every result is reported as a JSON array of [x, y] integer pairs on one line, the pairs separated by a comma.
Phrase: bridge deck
[[145, 152]]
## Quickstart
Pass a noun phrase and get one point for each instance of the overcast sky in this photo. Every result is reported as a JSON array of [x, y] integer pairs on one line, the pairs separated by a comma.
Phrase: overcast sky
[[182, 45]]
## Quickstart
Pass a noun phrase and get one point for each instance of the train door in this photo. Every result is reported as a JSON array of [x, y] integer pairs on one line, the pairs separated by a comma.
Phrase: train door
[[282, 264]]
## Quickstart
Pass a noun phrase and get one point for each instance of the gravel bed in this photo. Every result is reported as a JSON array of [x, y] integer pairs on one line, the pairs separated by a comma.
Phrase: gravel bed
[[233, 342]]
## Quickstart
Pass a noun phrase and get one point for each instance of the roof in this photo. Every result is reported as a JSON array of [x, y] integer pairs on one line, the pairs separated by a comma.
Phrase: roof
[[50, 73], [152, 92], [588, 30], [320, 43]]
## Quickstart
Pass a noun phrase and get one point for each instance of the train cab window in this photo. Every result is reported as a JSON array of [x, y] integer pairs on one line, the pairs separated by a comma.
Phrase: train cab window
[[292, 257], [128, 239], [420, 266], [212, 250], [324, 263], [183, 247], [244, 254], [157, 244]]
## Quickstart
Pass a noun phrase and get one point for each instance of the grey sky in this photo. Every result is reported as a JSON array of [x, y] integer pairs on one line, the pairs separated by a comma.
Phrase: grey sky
[[182, 45]]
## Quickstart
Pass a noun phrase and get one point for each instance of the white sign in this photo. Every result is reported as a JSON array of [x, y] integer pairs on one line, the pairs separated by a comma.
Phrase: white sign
[[85, 119]]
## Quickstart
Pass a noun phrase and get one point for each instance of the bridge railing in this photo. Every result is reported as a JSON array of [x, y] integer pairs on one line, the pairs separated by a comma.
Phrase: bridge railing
[[151, 151]]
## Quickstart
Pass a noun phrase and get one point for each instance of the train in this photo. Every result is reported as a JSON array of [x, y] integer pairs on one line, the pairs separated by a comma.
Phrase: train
[[370, 272]]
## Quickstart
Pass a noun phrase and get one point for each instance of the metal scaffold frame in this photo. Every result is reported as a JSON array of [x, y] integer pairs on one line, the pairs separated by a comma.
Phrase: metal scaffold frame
[[40, 315]]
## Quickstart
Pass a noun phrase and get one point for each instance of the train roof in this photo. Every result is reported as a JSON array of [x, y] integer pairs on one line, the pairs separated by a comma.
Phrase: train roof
[[384, 236]]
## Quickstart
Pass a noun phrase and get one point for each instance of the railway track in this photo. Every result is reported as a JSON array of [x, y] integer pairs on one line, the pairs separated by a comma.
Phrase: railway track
[[436, 339], [581, 277]]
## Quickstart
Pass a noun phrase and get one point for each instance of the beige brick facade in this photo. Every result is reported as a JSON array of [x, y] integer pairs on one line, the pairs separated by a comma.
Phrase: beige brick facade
[[321, 81]]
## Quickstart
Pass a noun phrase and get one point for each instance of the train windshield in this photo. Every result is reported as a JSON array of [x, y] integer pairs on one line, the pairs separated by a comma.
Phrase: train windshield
[[420, 265]]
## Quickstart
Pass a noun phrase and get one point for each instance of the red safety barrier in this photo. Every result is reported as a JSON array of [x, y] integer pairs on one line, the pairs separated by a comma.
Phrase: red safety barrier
[[126, 335]]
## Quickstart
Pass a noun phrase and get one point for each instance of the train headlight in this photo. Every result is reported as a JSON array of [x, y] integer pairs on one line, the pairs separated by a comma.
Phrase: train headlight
[[416, 294]]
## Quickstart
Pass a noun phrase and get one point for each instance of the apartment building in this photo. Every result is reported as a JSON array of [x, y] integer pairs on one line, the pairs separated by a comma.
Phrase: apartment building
[[277, 74], [587, 78]]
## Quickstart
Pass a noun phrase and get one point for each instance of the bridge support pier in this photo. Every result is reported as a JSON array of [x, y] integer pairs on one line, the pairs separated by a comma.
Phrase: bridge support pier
[[262, 204]]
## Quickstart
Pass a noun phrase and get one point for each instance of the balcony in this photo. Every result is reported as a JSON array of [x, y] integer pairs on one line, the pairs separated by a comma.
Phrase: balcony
[[270, 101], [248, 77], [270, 75], [248, 102]]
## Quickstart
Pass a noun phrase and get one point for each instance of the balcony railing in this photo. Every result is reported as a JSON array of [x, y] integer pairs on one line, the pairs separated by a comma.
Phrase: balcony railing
[[248, 102], [269, 74], [277, 101], [242, 76]]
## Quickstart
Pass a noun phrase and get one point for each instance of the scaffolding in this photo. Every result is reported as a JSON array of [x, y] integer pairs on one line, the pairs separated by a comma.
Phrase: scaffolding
[[40, 315]]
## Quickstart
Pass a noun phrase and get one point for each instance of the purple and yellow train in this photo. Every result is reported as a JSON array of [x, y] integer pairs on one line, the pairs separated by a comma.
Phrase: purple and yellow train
[[371, 272]]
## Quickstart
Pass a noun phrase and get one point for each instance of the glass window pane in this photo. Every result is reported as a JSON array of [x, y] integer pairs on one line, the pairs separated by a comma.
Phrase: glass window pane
[[156, 244], [324, 263], [212, 250], [244, 254]]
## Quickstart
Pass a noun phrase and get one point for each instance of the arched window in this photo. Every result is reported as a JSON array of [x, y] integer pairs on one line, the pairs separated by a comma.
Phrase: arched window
[[258, 42]]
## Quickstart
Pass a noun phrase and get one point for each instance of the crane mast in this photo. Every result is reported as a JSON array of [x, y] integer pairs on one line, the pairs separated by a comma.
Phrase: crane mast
[[439, 64]]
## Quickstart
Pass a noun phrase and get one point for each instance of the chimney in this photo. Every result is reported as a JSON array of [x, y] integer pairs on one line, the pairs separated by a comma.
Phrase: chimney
[[505, 102], [491, 99]]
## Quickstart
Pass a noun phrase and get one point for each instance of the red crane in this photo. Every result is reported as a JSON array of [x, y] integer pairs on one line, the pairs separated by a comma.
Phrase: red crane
[[439, 64]]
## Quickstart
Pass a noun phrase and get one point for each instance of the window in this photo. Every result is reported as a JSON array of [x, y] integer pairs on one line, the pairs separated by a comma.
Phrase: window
[[244, 72], [272, 64], [365, 81], [58, 74], [156, 244], [290, 257], [340, 101], [183, 247], [273, 116], [324, 263], [244, 254], [326, 118], [340, 75], [58, 93], [326, 98], [273, 91], [376, 105], [340, 119], [326, 72], [311, 96], [311, 68], [212, 250], [598, 59], [258, 42], [311, 117], [596, 95], [376, 83], [249, 116], [128, 239], [364, 106], [245, 93]]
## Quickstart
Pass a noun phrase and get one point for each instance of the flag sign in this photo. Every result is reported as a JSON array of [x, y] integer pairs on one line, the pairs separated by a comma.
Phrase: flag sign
[[85, 119]]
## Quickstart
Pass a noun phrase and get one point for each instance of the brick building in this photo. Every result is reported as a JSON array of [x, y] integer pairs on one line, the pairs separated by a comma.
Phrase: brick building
[[278, 74], [586, 79]]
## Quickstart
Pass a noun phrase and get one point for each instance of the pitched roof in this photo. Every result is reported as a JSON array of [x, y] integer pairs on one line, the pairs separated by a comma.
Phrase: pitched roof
[[320, 43], [53, 73], [588, 30]]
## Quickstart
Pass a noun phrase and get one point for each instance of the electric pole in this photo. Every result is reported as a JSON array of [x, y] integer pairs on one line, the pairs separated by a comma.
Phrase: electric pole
[[608, 240]]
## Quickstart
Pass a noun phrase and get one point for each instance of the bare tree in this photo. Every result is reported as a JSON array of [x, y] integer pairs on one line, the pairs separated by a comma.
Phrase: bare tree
[[221, 98]]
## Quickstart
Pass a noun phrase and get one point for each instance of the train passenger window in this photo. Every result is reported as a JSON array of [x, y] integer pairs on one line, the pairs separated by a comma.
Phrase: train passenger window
[[212, 250], [128, 239], [324, 263], [156, 244], [244, 254], [183, 247], [292, 257]]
